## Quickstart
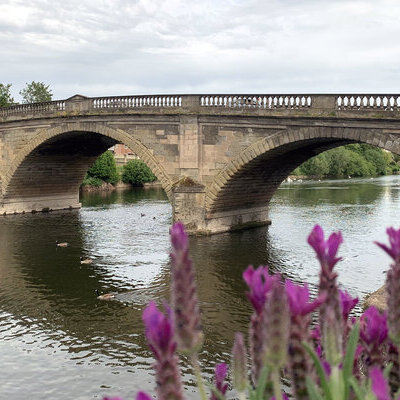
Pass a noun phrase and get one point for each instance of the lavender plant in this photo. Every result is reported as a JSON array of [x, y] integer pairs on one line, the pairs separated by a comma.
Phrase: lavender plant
[[341, 358]]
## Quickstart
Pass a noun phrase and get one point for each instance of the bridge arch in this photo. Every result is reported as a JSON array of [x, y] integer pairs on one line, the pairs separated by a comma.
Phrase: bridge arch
[[45, 142], [250, 180]]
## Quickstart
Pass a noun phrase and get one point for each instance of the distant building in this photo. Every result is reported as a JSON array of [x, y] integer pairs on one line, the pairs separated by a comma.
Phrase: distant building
[[122, 154]]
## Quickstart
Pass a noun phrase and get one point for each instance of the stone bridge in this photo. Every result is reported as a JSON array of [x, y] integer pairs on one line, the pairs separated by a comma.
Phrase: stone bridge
[[219, 158]]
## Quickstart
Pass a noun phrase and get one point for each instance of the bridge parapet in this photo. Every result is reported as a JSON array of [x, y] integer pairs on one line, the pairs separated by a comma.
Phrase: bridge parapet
[[261, 104]]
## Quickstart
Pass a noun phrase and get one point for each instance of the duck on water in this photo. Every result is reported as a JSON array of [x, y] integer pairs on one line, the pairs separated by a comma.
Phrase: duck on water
[[107, 296]]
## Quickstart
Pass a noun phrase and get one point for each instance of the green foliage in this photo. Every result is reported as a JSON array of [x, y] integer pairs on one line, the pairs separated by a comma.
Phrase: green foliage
[[5, 95], [105, 168], [92, 181], [355, 160], [137, 172], [36, 92], [316, 166]]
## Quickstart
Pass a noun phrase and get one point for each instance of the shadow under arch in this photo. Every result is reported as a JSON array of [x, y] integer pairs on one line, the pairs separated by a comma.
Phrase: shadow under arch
[[251, 179], [55, 160]]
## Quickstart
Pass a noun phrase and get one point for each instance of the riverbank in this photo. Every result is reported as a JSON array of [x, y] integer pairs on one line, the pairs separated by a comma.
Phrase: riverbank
[[109, 187]]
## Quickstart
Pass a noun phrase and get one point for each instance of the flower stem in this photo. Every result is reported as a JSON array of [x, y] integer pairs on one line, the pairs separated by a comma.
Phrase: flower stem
[[276, 384], [197, 373], [242, 396]]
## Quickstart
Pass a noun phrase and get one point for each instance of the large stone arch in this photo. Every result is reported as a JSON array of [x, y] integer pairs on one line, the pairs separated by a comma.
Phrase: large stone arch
[[116, 135], [251, 178]]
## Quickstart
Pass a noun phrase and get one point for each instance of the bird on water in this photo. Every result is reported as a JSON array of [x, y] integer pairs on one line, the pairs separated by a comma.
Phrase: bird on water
[[61, 244], [86, 260], [107, 296]]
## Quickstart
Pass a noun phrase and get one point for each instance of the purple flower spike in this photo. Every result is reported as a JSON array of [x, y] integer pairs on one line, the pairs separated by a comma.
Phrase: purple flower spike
[[347, 303], [220, 385], [299, 297], [326, 250], [379, 384], [373, 326], [373, 334], [276, 316], [179, 238], [259, 282], [330, 309], [160, 336], [185, 305], [159, 330], [143, 396], [394, 242], [300, 366]]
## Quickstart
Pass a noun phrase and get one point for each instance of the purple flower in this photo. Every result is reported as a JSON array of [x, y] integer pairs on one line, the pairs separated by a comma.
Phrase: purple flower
[[179, 238], [299, 297], [394, 242], [143, 396], [373, 333], [115, 398], [393, 284], [329, 312], [159, 330], [185, 305], [276, 323], [284, 396], [373, 326], [326, 250], [379, 384], [300, 366], [239, 363], [220, 385], [347, 303], [160, 337], [259, 282]]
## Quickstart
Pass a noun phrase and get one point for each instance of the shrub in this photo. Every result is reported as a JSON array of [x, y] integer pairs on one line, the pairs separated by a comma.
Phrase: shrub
[[137, 172], [92, 181], [105, 168], [342, 358]]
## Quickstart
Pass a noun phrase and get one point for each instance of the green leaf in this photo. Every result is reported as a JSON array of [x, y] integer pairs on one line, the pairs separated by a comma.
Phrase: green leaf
[[349, 357], [312, 390], [387, 370], [215, 391], [262, 383], [359, 392], [320, 371]]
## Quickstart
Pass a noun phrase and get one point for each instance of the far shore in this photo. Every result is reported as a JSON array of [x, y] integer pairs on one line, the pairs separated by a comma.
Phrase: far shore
[[108, 187]]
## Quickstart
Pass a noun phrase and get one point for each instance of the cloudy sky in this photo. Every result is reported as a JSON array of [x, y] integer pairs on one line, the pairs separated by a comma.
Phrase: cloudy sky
[[115, 47]]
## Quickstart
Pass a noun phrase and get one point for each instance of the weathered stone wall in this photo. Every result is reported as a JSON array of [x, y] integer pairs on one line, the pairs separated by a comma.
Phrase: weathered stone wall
[[236, 159]]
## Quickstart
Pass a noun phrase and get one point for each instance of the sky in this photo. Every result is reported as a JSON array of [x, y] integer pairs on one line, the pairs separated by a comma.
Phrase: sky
[[127, 47]]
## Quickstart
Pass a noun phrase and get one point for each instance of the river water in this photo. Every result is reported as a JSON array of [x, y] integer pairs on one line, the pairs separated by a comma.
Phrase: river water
[[58, 341]]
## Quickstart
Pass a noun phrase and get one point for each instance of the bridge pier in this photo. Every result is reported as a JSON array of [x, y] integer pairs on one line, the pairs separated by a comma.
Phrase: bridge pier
[[189, 207]]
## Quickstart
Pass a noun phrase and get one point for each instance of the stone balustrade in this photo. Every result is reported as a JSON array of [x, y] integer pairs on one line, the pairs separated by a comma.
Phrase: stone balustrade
[[206, 103]]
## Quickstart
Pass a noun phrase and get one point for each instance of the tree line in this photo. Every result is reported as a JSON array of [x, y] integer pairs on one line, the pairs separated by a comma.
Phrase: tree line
[[353, 160], [34, 92]]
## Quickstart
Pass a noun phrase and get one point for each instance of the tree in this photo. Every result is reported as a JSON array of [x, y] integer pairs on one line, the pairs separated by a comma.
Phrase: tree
[[36, 92], [5, 95], [104, 168], [137, 172]]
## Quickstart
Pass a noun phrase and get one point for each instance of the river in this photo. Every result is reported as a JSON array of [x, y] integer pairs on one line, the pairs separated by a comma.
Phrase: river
[[58, 341]]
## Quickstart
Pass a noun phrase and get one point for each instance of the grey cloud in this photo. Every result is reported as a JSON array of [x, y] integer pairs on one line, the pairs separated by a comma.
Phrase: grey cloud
[[152, 46]]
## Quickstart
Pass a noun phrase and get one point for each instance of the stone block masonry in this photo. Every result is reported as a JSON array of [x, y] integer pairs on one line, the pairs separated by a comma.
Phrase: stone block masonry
[[219, 158]]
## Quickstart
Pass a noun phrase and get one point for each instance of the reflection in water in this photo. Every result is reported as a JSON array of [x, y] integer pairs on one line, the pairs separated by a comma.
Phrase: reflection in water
[[57, 339]]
